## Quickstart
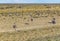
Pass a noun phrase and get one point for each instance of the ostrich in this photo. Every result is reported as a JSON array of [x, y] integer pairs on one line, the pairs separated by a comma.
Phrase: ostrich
[[53, 21], [14, 26]]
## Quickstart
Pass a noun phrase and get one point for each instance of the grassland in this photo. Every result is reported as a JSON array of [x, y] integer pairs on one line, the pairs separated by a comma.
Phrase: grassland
[[29, 22], [44, 34]]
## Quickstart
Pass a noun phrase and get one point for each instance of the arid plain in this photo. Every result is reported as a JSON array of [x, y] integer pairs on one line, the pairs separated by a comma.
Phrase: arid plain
[[29, 22]]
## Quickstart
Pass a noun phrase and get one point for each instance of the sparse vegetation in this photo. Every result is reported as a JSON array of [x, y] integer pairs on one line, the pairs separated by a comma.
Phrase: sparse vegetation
[[31, 35], [22, 16]]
